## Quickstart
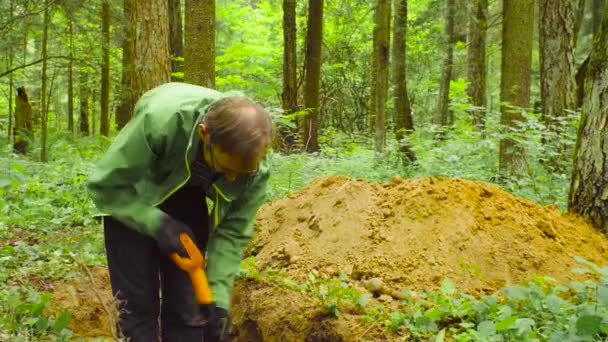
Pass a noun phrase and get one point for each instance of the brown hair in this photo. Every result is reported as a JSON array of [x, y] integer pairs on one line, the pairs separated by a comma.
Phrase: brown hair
[[239, 127]]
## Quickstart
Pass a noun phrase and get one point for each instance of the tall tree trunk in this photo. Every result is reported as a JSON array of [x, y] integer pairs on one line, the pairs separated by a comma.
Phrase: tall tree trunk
[[598, 12], [579, 15], [403, 111], [104, 127], [24, 122], [71, 80], [43, 102], [176, 39], [199, 50], [558, 87], [476, 60], [314, 39], [127, 100], [442, 118], [289, 96], [517, 28], [589, 189], [150, 34], [380, 74], [84, 102], [10, 82]]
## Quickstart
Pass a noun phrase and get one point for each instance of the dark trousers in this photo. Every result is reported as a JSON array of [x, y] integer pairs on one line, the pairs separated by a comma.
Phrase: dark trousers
[[138, 271]]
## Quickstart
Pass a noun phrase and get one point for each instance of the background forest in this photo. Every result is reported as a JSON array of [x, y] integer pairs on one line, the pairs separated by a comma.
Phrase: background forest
[[512, 93]]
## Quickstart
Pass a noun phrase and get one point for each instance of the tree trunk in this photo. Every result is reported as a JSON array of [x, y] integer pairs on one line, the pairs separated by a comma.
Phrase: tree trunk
[[598, 11], [84, 102], [10, 83], [150, 28], [199, 50], [589, 188], [442, 116], [476, 61], [127, 100], [379, 84], [71, 81], [578, 20], [517, 28], [314, 39], [24, 122], [176, 40], [104, 126], [289, 96], [43, 103], [403, 111], [558, 87]]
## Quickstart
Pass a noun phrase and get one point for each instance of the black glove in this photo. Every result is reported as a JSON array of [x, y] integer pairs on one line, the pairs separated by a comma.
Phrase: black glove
[[168, 236], [218, 323]]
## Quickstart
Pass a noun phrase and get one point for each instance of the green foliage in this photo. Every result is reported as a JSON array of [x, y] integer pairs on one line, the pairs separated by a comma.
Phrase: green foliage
[[536, 311], [24, 316]]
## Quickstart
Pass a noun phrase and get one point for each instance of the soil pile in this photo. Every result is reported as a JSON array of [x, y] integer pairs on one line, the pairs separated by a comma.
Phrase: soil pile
[[89, 300], [414, 233], [405, 234]]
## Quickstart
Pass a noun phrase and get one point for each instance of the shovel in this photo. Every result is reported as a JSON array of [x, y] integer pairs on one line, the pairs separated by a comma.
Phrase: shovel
[[194, 265]]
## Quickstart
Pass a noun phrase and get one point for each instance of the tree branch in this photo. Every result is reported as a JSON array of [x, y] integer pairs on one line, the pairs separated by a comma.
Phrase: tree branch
[[7, 24], [10, 71]]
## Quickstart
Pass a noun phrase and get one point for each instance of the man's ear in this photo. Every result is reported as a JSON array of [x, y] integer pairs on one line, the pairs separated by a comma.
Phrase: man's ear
[[202, 131]]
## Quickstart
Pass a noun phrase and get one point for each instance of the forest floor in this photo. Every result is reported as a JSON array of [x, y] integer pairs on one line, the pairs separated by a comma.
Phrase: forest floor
[[330, 258]]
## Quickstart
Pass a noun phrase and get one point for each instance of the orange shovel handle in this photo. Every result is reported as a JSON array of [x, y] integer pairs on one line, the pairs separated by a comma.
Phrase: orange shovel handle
[[194, 265]]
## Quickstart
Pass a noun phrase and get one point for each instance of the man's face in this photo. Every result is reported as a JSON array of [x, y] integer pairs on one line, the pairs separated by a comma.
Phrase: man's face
[[229, 165]]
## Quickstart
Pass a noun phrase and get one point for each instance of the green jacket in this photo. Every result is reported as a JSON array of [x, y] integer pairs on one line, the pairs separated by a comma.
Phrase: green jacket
[[150, 159]]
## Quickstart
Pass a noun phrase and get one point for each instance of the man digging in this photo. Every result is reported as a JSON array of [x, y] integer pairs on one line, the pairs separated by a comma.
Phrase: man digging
[[184, 144]]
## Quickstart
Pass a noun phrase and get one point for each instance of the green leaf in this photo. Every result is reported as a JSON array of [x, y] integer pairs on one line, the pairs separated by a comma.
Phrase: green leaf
[[516, 292], [506, 323], [62, 321], [447, 287], [524, 325], [441, 336], [588, 325], [487, 328]]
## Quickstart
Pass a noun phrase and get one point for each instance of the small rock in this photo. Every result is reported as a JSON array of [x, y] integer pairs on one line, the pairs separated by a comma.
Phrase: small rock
[[373, 284], [387, 212], [397, 179], [348, 270], [385, 298], [547, 228]]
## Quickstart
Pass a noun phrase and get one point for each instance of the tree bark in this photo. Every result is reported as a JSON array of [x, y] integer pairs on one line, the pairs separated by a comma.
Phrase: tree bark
[[43, 102], [476, 60], [176, 40], [199, 50], [314, 39], [10, 83], [150, 29], [289, 96], [127, 100], [598, 11], [84, 102], [517, 28], [71, 81], [24, 122], [442, 118], [589, 188], [558, 87], [379, 84], [104, 127], [578, 19], [404, 122]]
